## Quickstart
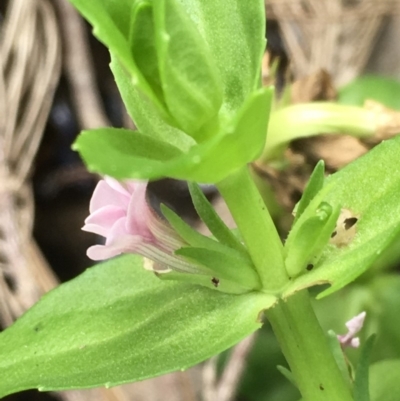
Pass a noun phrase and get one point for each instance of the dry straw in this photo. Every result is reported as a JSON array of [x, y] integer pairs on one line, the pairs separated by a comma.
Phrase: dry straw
[[336, 35]]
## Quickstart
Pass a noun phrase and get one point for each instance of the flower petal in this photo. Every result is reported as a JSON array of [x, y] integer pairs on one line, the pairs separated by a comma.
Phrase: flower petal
[[102, 220], [105, 195]]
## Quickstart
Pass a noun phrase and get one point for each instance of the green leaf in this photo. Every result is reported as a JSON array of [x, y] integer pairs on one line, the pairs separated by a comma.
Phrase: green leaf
[[122, 153], [111, 22], [190, 80], [314, 185], [118, 323], [212, 220], [370, 193], [381, 89], [127, 154], [230, 266], [287, 374], [339, 355], [235, 33], [190, 235], [307, 240], [361, 383], [143, 46], [144, 114], [385, 380]]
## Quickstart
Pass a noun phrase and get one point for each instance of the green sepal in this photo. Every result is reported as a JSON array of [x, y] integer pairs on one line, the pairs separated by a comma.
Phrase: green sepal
[[231, 266], [338, 354], [370, 194], [127, 154], [307, 239], [188, 234], [100, 329], [361, 383], [314, 185], [189, 77], [212, 220]]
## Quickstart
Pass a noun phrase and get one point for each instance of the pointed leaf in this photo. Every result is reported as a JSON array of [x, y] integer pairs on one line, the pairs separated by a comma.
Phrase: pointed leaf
[[224, 265], [369, 190], [118, 323], [361, 384], [111, 25], [144, 114], [212, 220], [314, 185], [126, 154]]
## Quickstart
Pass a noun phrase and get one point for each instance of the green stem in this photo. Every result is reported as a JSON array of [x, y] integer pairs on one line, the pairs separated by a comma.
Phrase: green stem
[[257, 228], [303, 342], [306, 349], [309, 119]]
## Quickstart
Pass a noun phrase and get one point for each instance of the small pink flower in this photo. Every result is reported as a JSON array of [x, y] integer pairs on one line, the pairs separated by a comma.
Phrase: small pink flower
[[120, 212], [354, 325]]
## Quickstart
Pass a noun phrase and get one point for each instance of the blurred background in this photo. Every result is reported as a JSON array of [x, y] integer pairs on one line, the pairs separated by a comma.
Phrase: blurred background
[[55, 82]]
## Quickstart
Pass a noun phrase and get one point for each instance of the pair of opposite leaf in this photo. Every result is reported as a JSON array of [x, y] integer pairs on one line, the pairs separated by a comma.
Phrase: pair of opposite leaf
[[194, 97]]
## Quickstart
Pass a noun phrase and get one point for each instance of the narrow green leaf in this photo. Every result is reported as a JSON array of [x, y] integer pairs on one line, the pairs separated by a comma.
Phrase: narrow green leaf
[[118, 323], [144, 114], [361, 384], [190, 235], [189, 77], [224, 265], [371, 195], [212, 220], [111, 25], [339, 356], [385, 380], [143, 46], [307, 240], [314, 185]]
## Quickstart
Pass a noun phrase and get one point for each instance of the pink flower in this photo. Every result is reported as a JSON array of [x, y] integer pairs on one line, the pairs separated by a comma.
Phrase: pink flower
[[120, 212], [354, 325]]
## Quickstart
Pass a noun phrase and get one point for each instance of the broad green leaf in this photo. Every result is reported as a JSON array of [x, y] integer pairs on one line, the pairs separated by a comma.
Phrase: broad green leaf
[[144, 114], [314, 185], [212, 220], [127, 154], [111, 25], [118, 323], [361, 383], [228, 266], [381, 89], [122, 153], [385, 380], [190, 80], [369, 188], [235, 33]]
